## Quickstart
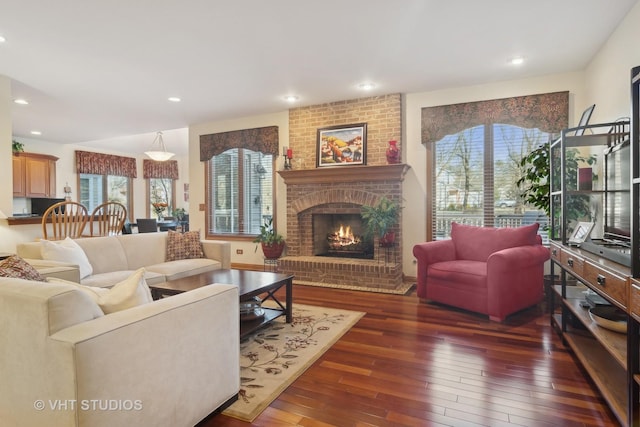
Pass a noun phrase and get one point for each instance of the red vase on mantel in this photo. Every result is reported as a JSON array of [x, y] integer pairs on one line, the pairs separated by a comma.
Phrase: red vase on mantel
[[393, 153]]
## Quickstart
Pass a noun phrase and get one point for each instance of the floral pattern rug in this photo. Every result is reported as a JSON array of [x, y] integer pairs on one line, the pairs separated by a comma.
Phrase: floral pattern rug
[[273, 357]]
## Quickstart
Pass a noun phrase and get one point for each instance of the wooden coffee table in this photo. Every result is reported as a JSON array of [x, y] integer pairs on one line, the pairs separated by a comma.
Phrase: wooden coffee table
[[250, 284]]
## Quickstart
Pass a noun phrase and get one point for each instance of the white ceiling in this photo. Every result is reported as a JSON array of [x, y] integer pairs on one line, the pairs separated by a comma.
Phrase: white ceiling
[[97, 70]]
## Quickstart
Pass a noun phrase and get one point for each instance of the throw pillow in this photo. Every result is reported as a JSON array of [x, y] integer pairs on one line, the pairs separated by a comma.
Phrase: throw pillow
[[183, 245], [131, 292], [67, 251], [16, 267]]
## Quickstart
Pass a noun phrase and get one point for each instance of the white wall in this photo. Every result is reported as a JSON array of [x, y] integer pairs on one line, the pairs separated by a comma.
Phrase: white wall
[[607, 77], [197, 176], [6, 175]]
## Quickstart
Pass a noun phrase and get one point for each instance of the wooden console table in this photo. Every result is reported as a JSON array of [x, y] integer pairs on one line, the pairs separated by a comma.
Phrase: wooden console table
[[603, 353]]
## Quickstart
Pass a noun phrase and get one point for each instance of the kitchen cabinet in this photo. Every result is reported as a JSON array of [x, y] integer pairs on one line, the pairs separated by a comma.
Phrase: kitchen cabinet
[[34, 175]]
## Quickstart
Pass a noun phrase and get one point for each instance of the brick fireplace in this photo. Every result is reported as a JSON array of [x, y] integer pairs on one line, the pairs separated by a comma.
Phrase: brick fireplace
[[340, 190]]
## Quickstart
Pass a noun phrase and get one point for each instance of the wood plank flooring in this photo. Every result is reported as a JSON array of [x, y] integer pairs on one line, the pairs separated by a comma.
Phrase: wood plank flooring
[[412, 363]]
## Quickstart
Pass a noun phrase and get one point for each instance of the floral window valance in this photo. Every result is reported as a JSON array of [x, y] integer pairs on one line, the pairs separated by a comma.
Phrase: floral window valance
[[153, 169], [548, 112], [105, 164], [263, 140]]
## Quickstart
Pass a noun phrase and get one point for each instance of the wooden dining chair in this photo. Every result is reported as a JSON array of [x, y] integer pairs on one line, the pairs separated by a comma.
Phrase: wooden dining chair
[[108, 219], [64, 219]]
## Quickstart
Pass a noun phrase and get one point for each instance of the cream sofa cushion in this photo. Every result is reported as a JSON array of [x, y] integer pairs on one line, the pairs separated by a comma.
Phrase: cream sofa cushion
[[105, 254], [128, 293], [68, 251], [107, 280]]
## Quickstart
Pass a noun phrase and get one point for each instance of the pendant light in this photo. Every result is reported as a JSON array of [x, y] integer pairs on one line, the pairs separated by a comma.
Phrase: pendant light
[[158, 151]]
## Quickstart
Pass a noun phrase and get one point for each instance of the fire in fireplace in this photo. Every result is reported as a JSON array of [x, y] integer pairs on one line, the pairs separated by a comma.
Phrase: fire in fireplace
[[340, 235]]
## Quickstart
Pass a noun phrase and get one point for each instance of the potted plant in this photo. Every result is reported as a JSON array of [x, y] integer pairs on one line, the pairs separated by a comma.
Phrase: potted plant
[[17, 147], [272, 242], [179, 213], [378, 219], [534, 183]]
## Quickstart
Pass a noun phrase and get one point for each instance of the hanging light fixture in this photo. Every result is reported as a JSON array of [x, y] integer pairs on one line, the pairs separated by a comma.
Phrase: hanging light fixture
[[158, 151]]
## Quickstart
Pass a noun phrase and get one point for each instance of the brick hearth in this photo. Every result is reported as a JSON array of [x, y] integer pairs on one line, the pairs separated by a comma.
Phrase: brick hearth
[[340, 190]]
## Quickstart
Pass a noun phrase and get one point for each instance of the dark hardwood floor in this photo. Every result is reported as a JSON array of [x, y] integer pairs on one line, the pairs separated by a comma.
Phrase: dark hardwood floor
[[410, 363]]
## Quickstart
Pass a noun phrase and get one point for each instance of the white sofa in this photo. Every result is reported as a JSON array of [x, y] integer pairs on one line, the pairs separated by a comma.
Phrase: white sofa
[[165, 363], [114, 258]]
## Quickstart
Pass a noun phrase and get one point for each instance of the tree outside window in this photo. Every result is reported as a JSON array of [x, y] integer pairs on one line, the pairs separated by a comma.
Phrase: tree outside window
[[161, 197]]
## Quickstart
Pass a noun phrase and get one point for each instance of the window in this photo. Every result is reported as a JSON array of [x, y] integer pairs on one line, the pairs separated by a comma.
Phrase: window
[[475, 176], [161, 197], [104, 178], [96, 189], [240, 191], [474, 152]]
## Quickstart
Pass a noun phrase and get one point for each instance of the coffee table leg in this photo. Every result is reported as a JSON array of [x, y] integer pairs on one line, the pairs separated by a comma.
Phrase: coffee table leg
[[289, 300]]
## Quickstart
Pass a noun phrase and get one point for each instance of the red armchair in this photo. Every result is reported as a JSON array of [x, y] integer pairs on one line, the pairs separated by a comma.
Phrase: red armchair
[[494, 271]]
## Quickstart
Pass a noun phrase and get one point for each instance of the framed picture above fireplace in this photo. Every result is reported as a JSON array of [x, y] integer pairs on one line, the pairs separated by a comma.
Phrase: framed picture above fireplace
[[344, 145]]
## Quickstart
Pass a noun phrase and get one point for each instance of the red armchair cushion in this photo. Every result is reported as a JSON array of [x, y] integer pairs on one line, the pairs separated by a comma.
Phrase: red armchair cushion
[[462, 274], [478, 243]]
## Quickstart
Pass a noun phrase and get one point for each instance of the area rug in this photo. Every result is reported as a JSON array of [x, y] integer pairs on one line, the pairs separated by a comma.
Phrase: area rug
[[273, 357], [402, 289]]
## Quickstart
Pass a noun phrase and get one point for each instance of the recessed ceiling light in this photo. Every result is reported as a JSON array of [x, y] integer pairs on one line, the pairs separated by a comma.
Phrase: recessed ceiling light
[[366, 86], [291, 98], [21, 101], [517, 60], [2, 39], [36, 132], [174, 99]]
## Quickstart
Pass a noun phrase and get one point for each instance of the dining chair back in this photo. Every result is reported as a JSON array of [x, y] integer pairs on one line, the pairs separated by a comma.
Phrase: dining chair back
[[147, 225], [108, 219], [64, 219]]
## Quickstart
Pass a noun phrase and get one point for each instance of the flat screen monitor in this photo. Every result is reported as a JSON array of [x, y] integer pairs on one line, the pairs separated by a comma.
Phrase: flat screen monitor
[[39, 206]]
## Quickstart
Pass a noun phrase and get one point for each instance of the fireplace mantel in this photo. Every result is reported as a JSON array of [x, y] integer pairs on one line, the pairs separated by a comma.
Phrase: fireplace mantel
[[331, 175]]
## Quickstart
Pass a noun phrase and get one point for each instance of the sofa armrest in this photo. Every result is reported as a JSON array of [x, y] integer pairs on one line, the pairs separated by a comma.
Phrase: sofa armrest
[[61, 270], [515, 279], [428, 253], [178, 357], [520, 257], [218, 250], [435, 251]]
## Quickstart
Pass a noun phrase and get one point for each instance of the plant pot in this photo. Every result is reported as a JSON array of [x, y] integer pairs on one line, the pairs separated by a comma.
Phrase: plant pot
[[272, 251], [388, 239]]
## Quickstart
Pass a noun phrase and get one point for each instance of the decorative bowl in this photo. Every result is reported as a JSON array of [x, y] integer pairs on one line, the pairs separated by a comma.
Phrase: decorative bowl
[[609, 317]]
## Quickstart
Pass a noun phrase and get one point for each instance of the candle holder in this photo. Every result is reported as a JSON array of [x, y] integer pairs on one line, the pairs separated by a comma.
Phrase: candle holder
[[288, 155]]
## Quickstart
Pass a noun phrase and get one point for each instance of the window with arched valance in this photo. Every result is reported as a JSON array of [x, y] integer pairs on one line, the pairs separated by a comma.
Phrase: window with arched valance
[[262, 140], [474, 154], [239, 185]]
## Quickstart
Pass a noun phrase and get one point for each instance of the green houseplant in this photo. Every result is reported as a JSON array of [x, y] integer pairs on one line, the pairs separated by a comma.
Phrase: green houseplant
[[535, 185], [272, 242], [17, 147], [378, 219]]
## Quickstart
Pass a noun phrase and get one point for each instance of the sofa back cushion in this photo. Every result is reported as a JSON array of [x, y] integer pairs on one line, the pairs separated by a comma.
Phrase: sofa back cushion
[[478, 243], [105, 253], [143, 249]]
